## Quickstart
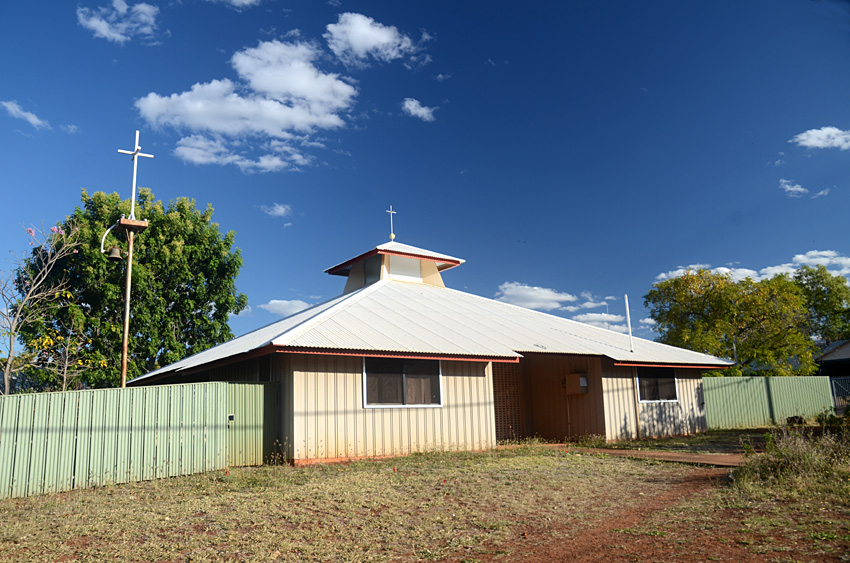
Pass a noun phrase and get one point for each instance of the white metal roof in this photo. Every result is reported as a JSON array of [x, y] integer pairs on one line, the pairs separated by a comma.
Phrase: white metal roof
[[413, 318]]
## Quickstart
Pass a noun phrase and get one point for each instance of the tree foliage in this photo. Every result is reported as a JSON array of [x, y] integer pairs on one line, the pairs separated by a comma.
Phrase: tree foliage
[[828, 302], [30, 293], [761, 325], [183, 288]]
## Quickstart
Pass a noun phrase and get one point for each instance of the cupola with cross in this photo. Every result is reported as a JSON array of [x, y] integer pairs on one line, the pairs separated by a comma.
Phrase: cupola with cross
[[394, 261]]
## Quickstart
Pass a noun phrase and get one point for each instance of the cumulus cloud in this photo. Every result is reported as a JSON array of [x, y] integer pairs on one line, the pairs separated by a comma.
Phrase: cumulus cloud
[[15, 110], [356, 39], [531, 297], [414, 108], [834, 261], [603, 320], [821, 193], [238, 4], [590, 302], [648, 321], [281, 100], [284, 307], [791, 189], [823, 138], [119, 22], [277, 210]]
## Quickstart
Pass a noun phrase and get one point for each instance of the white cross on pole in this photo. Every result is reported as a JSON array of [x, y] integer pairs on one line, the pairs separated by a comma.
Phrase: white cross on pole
[[391, 212], [133, 155]]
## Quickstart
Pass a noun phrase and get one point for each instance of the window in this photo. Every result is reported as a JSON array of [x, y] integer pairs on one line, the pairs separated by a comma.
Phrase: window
[[398, 381], [657, 384]]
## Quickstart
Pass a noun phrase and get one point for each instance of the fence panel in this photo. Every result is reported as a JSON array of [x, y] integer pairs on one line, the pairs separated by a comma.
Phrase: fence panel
[[53, 442], [841, 393], [740, 402], [252, 422]]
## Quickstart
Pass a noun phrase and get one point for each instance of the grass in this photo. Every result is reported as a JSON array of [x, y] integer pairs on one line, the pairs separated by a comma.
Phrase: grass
[[711, 442], [794, 496], [499, 505], [420, 507]]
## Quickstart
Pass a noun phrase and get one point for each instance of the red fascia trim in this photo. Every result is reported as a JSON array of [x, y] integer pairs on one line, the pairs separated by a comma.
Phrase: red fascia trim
[[407, 355], [683, 366], [335, 270]]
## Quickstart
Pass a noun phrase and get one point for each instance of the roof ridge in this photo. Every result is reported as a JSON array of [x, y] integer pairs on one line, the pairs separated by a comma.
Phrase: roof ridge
[[309, 322]]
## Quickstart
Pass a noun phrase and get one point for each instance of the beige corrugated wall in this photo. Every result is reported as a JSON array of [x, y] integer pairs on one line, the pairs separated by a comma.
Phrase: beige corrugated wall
[[328, 420], [618, 391], [686, 416]]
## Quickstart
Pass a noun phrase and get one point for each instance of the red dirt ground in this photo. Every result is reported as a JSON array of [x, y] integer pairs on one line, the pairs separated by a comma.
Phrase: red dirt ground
[[607, 542]]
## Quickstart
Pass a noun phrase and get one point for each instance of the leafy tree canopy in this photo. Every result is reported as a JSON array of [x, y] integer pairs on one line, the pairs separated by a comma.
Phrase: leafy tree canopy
[[828, 301], [761, 325], [183, 288]]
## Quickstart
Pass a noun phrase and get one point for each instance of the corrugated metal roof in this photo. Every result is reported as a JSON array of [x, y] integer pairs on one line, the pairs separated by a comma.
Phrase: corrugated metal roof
[[403, 317]]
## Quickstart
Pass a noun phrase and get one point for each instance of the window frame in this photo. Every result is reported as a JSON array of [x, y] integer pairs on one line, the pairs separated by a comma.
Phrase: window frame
[[638, 378], [364, 388]]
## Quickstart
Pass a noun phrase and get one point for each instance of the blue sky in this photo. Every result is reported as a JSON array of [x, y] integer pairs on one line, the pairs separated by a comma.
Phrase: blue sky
[[570, 152]]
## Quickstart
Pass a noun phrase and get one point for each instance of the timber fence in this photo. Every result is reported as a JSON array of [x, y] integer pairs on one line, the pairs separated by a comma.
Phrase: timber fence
[[741, 402], [51, 442]]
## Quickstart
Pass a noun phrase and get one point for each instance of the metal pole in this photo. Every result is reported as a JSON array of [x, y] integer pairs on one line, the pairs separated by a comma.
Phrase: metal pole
[[124, 346]]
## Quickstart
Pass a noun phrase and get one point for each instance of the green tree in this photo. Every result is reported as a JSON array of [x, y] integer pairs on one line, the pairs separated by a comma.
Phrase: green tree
[[760, 325], [30, 292], [183, 288], [828, 301]]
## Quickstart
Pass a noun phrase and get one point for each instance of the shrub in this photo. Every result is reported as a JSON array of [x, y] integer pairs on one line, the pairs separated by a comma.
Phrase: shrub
[[796, 459]]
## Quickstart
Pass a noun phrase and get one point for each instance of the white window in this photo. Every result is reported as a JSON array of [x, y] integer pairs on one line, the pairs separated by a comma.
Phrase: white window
[[657, 385], [395, 382]]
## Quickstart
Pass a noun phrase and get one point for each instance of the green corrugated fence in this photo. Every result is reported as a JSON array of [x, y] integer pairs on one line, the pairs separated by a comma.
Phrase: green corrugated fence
[[741, 402], [53, 442]]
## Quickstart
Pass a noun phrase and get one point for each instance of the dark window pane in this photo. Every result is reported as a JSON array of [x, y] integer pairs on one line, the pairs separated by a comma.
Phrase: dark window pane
[[666, 388], [657, 384], [392, 381]]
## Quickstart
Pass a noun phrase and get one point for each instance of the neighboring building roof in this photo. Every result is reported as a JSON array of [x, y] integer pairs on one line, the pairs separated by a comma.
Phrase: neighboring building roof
[[404, 318], [836, 351], [443, 261]]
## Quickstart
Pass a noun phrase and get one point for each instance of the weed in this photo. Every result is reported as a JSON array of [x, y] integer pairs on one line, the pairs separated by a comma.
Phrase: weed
[[795, 458], [591, 441]]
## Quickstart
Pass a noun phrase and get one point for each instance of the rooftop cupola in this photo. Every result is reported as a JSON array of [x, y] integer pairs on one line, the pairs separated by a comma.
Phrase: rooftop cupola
[[395, 261]]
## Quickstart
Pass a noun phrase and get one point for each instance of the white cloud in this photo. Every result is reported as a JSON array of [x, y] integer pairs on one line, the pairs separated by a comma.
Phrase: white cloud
[[277, 210], [647, 321], [238, 4], [442, 77], [17, 111], [835, 262], [120, 21], [355, 39], [531, 297], [589, 303], [791, 189], [603, 320], [823, 138], [283, 307], [821, 193], [415, 109], [281, 102]]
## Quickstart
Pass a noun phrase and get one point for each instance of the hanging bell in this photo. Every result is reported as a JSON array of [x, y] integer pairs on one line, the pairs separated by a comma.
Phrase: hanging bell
[[115, 254]]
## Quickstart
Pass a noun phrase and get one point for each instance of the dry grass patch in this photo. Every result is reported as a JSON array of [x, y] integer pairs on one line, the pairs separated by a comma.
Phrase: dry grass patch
[[420, 507]]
